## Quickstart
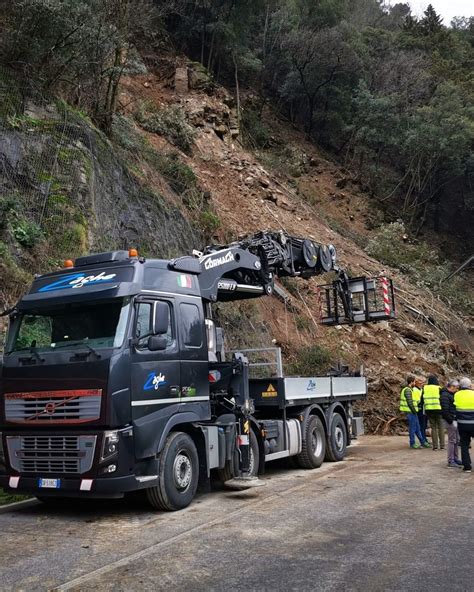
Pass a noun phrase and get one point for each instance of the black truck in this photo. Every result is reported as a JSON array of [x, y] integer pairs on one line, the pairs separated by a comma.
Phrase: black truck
[[115, 378]]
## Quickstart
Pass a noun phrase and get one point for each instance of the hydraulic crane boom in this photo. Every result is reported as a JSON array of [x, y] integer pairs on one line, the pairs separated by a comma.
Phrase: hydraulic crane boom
[[247, 269]]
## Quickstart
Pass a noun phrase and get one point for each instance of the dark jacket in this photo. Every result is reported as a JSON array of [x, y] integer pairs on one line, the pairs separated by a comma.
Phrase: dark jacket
[[448, 409]]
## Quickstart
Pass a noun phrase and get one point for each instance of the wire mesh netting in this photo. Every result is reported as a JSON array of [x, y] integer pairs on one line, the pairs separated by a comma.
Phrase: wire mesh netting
[[64, 185]]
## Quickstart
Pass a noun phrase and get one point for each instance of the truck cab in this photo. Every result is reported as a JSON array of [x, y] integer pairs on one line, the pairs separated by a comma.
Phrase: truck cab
[[101, 362]]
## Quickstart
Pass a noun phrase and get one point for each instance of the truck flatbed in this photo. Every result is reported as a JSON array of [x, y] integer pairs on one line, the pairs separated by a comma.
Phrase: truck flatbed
[[294, 391]]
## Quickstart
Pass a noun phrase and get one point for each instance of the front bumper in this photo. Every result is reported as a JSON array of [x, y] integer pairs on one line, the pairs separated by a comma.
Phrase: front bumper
[[102, 487]]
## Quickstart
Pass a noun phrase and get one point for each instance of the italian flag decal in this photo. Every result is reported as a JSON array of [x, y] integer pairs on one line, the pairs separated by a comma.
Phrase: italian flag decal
[[185, 281]]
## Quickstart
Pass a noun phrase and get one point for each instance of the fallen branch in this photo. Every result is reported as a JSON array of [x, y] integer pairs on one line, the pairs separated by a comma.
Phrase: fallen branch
[[387, 425]]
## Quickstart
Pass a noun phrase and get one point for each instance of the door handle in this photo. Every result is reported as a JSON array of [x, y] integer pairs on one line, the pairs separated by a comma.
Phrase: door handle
[[175, 390]]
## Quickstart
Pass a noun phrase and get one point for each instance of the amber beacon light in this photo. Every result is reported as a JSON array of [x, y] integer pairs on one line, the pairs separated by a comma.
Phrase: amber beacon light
[[68, 263], [132, 253]]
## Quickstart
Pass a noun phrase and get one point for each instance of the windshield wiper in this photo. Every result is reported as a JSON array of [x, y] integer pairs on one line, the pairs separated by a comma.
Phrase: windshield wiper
[[74, 343], [33, 351]]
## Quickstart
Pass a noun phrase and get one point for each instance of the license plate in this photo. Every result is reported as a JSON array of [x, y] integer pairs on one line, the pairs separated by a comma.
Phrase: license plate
[[49, 483]]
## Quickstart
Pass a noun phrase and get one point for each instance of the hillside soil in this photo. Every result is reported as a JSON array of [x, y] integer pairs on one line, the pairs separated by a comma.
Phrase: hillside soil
[[254, 190]]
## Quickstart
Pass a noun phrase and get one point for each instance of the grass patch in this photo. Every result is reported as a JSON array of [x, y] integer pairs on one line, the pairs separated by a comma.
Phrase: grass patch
[[9, 498]]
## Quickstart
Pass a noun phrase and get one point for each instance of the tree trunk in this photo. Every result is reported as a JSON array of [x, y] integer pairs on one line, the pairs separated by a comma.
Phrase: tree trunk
[[237, 88]]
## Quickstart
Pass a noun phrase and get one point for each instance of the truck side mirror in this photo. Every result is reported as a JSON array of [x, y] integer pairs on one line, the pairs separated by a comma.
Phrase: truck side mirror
[[160, 318], [157, 343]]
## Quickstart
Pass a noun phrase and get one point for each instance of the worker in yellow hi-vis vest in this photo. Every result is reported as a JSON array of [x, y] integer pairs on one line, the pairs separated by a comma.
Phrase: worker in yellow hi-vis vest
[[409, 406], [432, 405], [417, 393], [464, 403]]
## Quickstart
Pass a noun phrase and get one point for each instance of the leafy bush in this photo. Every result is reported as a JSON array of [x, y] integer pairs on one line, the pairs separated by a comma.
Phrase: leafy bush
[[310, 360], [126, 135], [28, 234], [169, 122]]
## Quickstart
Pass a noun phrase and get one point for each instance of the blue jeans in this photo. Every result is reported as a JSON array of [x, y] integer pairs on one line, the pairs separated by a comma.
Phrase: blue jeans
[[414, 429], [422, 421]]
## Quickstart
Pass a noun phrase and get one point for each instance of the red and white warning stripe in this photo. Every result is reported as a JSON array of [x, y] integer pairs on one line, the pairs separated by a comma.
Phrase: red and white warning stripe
[[386, 300]]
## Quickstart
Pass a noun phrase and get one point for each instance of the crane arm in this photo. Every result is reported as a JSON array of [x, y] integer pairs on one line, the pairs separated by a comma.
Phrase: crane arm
[[247, 269]]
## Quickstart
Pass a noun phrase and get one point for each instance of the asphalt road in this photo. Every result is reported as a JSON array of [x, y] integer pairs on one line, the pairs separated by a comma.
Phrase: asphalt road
[[386, 519]]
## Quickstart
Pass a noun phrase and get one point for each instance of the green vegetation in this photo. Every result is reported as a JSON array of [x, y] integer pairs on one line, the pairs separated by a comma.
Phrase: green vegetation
[[182, 180], [254, 131], [14, 278], [392, 245], [180, 176], [8, 498], [169, 122], [310, 360], [27, 233], [389, 93]]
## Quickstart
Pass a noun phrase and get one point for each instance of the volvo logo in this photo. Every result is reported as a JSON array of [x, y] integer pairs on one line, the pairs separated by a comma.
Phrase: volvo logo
[[50, 408]]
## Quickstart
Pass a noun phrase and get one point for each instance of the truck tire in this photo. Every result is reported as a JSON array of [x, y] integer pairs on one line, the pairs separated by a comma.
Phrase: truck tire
[[337, 439], [314, 444], [231, 467], [178, 474]]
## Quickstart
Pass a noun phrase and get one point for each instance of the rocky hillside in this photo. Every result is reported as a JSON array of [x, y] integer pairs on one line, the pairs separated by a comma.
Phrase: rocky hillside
[[178, 172]]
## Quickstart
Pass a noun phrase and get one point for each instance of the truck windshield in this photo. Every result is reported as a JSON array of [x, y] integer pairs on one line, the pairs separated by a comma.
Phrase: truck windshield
[[96, 324]]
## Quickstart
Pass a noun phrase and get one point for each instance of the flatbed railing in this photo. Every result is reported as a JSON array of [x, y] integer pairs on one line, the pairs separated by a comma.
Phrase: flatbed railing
[[261, 362]]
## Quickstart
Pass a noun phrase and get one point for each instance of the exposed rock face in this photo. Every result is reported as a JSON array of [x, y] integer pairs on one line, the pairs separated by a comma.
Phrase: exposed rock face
[[61, 177]]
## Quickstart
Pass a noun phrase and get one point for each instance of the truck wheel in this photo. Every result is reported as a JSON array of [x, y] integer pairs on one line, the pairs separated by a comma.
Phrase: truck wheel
[[178, 474], [337, 439], [314, 444], [231, 467]]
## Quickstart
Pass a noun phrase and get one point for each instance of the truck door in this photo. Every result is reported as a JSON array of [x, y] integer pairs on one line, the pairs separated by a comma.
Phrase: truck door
[[194, 359], [155, 374]]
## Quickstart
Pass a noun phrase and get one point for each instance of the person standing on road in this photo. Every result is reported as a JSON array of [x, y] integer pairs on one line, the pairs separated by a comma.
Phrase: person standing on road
[[432, 406], [448, 411], [409, 406], [464, 403], [417, 392]]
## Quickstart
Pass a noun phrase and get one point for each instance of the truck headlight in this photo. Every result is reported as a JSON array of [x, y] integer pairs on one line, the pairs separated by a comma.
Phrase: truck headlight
[[110, 445]]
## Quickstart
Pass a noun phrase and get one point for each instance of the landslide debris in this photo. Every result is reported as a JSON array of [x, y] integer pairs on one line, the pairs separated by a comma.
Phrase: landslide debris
[[297, 188], [178, 163]]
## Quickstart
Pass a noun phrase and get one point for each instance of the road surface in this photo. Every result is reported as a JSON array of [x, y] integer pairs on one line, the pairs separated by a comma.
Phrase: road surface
[[386, 519]]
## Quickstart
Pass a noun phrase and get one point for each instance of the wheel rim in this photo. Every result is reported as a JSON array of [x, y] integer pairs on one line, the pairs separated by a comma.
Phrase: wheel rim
[[182, 471], [339, 437], [316, 443]]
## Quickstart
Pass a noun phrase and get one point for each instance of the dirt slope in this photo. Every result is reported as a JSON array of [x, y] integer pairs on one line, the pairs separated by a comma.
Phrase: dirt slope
[[247, 197]]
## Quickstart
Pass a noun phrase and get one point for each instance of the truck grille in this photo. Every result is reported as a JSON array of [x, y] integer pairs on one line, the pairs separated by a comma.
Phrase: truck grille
[[51, 454], [53, 407]]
